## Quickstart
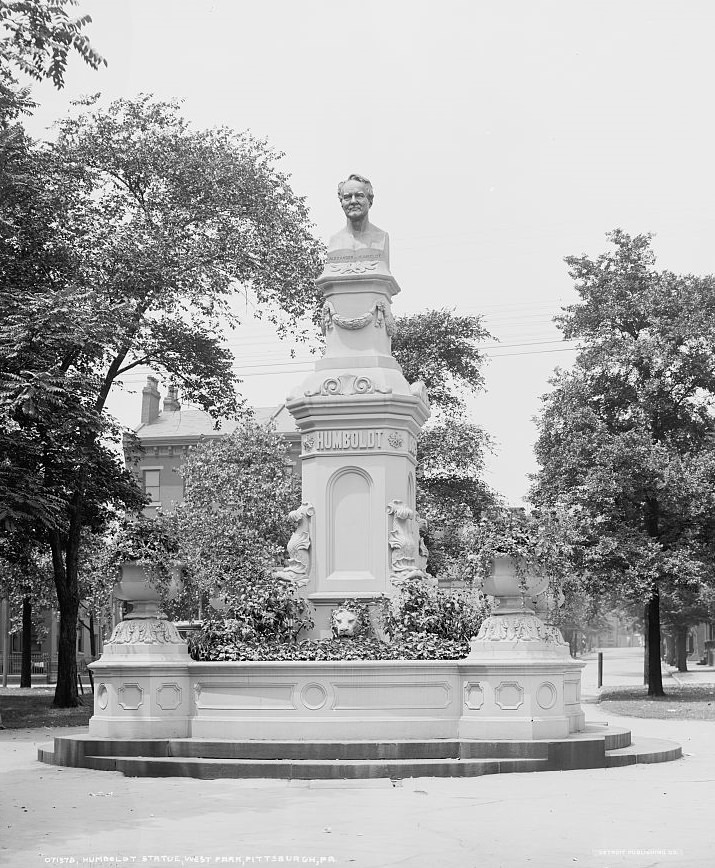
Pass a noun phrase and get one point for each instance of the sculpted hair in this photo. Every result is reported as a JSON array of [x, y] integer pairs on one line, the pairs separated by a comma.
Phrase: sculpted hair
[[370, 193]]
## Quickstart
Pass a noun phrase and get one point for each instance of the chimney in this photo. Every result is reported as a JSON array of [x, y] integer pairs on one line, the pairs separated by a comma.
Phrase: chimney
[[171, 402], [150, 401]]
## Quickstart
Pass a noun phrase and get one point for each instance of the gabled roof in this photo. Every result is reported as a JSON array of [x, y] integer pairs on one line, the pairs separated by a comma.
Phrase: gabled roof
[[192, 423]]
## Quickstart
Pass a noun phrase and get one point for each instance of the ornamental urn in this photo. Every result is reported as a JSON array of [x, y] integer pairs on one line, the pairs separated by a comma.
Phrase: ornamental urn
[[512, 587]]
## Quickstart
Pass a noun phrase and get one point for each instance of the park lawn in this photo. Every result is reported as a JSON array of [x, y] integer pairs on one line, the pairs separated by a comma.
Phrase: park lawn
[[30, 708], [681, 702]]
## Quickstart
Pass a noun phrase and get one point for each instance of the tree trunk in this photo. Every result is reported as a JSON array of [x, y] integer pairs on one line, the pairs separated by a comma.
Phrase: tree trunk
[[654, 675], [669, 639], [66, 693], [92, 637], [646, 645], [26, 666], [681, 649]]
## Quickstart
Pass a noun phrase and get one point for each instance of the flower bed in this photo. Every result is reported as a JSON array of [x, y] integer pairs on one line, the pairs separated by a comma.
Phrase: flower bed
[[417, 646]]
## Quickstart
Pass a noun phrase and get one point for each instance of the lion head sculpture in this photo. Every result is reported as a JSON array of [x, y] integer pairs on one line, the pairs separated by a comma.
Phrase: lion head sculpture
[[345, 622]]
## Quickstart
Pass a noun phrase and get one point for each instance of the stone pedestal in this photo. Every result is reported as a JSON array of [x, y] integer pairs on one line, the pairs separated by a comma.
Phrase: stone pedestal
[[141, 681], [359, 419], [528, 685]]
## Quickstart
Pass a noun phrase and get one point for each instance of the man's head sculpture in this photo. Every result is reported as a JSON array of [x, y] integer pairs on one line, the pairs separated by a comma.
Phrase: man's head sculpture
[[345, 622], [367, 186]]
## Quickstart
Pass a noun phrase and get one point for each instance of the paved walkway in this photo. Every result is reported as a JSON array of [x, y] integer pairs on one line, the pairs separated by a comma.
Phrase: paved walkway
[[637, 816]]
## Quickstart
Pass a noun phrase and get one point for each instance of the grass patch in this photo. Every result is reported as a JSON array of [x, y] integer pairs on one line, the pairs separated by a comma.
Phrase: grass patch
[[31, 708], [681, 702]]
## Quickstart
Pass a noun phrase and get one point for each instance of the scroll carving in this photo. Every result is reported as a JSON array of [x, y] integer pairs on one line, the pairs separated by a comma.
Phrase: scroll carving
[[404, 544], [347, 384], [297, 568]]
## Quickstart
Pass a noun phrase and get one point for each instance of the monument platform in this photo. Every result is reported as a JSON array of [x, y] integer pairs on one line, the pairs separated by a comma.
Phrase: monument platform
[[598, 746]]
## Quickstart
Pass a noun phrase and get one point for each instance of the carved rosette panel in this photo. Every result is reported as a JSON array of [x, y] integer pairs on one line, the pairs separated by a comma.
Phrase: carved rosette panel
[[518, 628], [347, 384], [313, 696], [546, 695], [102, 696], [509, 695], [403, 541], [473, 695], [168, 697], [131, 697], [380, 315], [145, 631], [297, 568]]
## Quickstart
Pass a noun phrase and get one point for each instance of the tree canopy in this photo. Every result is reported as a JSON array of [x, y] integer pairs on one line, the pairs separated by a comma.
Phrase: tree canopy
[[37, 38], [441, 349], [626, 437], [149, 231]]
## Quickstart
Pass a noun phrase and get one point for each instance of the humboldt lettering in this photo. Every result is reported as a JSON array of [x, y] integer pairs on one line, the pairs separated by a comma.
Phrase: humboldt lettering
[[353, 440]]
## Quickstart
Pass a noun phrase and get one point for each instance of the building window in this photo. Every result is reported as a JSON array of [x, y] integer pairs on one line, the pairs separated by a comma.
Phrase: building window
[[151, 485]]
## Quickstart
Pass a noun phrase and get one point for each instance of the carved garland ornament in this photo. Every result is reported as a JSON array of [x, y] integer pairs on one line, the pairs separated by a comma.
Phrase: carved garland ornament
[[297, 569], [380, 313], [356, 267], [147, 631]]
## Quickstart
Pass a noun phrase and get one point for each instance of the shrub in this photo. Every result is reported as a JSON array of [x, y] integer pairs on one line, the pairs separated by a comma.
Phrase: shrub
[[424, 609], [421, 623]]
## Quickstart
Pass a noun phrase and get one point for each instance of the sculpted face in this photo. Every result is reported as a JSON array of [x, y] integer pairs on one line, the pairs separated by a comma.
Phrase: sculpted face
[[344, 622], [354, 200]]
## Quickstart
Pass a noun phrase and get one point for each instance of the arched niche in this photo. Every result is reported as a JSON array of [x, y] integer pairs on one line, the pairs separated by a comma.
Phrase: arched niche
[[350, 523]]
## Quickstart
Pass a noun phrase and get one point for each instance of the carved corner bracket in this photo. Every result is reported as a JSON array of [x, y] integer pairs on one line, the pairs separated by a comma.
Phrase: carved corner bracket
[[403, 541], [297, 568]]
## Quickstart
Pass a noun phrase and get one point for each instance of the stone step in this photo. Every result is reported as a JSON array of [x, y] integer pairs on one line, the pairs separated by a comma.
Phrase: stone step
[[644, 750], [436, 749], [598, 746], [210, 768]]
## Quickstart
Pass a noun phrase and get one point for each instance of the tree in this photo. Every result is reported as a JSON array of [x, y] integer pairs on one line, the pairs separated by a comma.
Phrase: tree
[[625, 438], [40, 34], [156, 229], [232, 527], [232, 530], [451, 493], [26, 582], [442, 349]]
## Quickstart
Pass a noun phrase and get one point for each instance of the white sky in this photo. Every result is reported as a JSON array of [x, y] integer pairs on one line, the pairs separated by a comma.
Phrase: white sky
[[500, 137]]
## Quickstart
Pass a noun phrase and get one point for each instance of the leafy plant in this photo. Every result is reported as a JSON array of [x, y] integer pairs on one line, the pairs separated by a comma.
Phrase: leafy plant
[[424, 610], [269, 614], [537, 542]]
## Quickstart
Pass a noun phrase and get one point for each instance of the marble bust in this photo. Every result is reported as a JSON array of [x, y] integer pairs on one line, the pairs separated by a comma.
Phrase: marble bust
[[360, 239]]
